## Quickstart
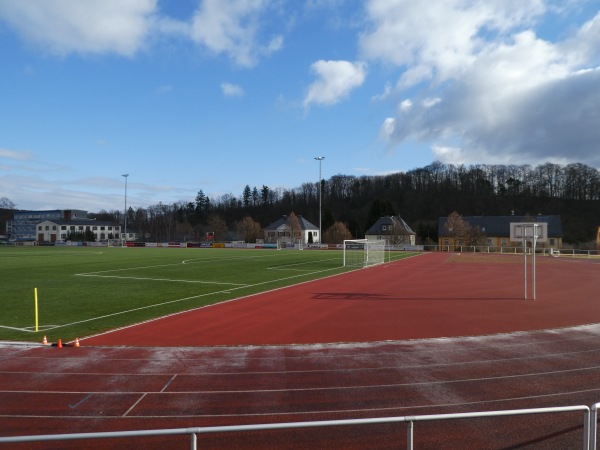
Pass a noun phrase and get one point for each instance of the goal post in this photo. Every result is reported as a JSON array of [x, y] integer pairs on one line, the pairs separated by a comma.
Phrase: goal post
[[364, 252], [290, 244]]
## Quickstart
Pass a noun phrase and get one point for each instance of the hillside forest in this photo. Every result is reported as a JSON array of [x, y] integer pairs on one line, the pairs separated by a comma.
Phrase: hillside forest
[[420, 196]]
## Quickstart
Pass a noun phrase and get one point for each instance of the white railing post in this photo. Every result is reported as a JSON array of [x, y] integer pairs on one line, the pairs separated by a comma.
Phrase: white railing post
[[409, 435], [193, 441], [593, 426]]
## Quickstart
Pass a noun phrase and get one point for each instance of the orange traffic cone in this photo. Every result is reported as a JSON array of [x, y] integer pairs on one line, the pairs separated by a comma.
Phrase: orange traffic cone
[[45, 341], [76, 344], [59, 345]]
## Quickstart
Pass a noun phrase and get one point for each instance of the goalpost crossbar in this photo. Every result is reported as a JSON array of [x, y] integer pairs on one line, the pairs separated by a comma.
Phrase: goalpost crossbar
[[364, 252]]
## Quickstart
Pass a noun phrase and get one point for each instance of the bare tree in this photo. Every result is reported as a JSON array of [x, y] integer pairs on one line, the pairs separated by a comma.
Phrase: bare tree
[[248, 228], [5, 203], [217, 225], [294, 224], [337, 233]]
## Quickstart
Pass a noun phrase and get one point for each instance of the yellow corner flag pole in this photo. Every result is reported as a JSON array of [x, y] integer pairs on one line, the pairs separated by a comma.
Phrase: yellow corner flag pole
[[36, 309]]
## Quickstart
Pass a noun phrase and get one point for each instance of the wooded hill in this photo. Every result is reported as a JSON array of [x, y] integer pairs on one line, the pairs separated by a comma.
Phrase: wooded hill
[[420, 196]]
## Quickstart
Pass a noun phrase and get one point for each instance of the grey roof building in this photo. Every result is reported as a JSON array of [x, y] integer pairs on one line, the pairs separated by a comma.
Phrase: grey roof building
[[393, 229], [308, 232]]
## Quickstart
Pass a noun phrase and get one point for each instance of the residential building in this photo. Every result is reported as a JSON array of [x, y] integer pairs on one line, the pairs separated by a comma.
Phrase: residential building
[[280, 229], [494, 231], [393, 229]]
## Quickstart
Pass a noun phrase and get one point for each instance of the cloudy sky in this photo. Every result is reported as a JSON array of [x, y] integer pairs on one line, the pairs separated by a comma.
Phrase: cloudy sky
[[213, 95]]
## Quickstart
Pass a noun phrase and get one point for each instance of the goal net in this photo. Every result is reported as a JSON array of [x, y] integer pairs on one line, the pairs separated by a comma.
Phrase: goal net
[[363, 252], [289, 244]]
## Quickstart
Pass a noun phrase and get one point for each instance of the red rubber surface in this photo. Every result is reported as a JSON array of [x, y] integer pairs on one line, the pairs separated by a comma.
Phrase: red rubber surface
[[151, 377], [434, 295]]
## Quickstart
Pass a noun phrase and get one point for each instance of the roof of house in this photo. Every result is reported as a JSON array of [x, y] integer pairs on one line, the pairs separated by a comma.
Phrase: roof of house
[[399, 226], [282, 222], [500, 225], [91, 222]]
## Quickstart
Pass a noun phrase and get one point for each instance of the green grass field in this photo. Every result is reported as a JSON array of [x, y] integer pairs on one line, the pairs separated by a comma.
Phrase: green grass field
[[83, 291]]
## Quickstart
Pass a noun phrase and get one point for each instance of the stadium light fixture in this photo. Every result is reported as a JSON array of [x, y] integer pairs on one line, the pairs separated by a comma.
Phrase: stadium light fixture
[[125, 175], [320, 159]]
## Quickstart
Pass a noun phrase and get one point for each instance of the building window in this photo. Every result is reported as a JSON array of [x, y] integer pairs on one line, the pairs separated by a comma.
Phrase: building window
[[503, 241]]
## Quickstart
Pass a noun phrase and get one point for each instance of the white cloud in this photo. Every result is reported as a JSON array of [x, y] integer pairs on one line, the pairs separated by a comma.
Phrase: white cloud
[[17, 155], [93, 26], [232, 27], [483, 86], [336, 79], [232, 90]]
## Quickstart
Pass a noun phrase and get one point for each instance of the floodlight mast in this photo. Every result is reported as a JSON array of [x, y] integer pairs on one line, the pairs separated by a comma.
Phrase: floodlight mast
[[320, 159], [124, 240]]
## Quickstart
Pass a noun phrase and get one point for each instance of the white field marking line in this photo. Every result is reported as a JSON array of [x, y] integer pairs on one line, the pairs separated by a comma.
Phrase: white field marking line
[[312, 263], [170, 280], [85, 274], [28, 329], [416, 384], [232, 258], [50, 254], [294, 413], [182, 300]]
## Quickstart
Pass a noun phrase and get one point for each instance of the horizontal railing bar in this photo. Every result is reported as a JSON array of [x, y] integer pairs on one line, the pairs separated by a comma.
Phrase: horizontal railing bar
[[290, 425]]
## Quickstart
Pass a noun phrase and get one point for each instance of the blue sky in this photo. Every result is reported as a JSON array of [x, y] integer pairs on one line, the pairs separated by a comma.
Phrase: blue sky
[[214, 95]]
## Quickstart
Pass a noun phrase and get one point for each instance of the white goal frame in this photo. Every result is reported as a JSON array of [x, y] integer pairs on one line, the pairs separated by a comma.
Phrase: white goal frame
[[286, 243], [364, 252]]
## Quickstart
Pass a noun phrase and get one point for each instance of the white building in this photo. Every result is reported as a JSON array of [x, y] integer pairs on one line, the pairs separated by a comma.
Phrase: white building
[[307, 233], [60, 230]]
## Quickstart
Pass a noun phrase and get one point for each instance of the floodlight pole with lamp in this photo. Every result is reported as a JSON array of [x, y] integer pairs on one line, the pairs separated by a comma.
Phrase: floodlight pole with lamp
[[320, 159], [125, 175]]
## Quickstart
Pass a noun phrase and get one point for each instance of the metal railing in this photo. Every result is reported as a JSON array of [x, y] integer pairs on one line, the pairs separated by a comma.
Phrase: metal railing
[[588, 439]]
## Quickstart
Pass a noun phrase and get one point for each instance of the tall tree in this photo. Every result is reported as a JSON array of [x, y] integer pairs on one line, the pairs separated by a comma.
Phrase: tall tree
[[246, 196]]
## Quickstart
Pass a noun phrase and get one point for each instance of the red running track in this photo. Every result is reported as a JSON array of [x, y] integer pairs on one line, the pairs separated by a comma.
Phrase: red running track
[[434, 295], [97, 388]]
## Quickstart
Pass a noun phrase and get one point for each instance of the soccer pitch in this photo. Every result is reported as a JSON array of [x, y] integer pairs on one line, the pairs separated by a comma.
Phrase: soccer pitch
[[83, 291]]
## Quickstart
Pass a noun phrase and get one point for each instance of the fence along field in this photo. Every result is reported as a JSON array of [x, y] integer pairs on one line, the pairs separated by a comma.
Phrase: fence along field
[[84, 291]]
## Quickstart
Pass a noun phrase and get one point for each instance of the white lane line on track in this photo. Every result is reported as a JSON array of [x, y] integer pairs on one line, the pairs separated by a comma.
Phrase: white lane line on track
[[297, 413], [134, 405], [168, 383], [336, 388]]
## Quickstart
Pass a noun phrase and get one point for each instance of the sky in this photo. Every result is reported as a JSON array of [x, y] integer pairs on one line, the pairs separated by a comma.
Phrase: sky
[[214, 95]]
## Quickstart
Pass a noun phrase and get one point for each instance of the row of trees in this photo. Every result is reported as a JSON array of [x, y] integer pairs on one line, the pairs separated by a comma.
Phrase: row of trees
[[420, 196]]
